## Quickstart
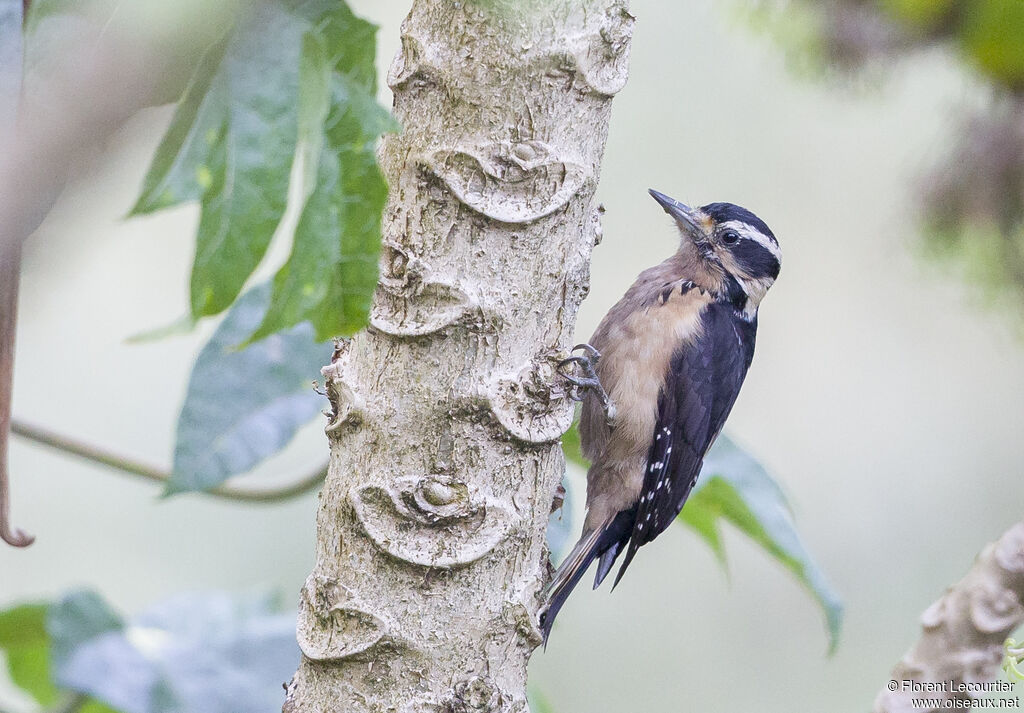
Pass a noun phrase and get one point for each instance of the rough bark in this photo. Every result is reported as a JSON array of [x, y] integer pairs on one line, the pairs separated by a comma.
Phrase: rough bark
[[963, 632], [446, 412]]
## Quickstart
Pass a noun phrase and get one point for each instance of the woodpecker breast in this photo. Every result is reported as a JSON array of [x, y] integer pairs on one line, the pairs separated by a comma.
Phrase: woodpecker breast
[[659, 316]]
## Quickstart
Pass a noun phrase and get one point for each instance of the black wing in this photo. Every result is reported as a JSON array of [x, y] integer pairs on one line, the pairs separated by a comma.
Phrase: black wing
[[700, 389]]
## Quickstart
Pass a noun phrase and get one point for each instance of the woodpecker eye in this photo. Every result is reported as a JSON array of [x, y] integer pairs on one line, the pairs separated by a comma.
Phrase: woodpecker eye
[[730, 237]]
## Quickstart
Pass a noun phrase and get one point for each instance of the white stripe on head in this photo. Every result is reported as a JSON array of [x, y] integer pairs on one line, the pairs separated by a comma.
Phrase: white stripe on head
[[746, 230]]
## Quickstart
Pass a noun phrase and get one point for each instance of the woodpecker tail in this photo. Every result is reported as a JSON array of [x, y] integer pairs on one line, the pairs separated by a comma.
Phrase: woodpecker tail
[[568, 576], [605, 542]]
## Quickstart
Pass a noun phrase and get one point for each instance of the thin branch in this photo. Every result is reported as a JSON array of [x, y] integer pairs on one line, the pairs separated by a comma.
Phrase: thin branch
[[10, 267], [89, 452], [962, 642]]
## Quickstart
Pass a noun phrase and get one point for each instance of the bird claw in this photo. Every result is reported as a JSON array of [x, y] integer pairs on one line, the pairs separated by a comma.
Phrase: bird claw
[[588, 379], [588, 368]]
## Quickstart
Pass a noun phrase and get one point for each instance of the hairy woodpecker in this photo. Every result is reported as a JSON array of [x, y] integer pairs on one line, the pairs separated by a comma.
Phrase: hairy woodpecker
[[658, 380]]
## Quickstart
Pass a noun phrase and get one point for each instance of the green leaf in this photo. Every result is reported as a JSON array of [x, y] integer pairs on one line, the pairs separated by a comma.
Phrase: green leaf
[[735, 487], [237, 152], [571, 445], [244, 405], [538, 702], [992, 35], [85, 631], [179, 327], [191, 654], [93, 706], [920, 15], [231, 145], [24, 641], [174, 175], [331, 274], [290, 69], [702, 512], [77, 618]]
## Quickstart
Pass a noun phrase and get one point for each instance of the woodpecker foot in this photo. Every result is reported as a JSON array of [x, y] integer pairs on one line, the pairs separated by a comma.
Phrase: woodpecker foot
[[588, 380]]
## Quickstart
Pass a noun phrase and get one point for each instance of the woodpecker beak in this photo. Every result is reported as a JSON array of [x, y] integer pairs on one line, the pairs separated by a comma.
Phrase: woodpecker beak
[[682, 214]]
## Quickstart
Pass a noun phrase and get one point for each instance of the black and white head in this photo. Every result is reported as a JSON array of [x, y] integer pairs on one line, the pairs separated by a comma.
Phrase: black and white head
[[731, 244]]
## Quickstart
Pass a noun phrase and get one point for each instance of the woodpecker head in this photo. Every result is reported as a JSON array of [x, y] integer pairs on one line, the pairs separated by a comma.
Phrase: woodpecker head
[[730, 244]]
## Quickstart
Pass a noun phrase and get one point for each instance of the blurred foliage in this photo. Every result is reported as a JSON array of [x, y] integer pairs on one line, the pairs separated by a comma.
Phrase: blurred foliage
[[244, 405], [972, 200], [331, 274], [734, 487], [991, 35], [26, 644], [280, 106], [849, 34], [921, 15], [572, 446], [275, 98], [291, 74], [210, 653], [538, 702]]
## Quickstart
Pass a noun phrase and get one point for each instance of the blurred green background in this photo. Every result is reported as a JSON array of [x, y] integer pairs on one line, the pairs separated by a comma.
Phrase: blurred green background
[[885, 395]]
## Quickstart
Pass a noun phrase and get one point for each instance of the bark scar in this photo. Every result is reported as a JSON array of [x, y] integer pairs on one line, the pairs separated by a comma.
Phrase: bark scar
[[509, 182], [601, 59], [530, 405], [333, 625], [431, 521], [427, 310]]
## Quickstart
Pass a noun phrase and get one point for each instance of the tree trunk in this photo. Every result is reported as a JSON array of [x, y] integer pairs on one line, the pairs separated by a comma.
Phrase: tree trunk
[[446, 411]]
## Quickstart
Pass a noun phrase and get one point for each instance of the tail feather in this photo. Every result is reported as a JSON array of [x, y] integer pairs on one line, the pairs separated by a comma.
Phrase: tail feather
[[625, 563], [605, 565], [606, 542], [568, 576]]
